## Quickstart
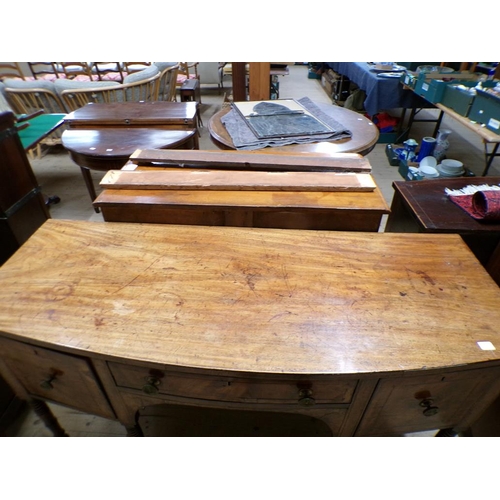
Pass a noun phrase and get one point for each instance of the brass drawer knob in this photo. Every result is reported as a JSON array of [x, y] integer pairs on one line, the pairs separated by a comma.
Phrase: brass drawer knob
[[305, 397], [151, 385], [430, 409]]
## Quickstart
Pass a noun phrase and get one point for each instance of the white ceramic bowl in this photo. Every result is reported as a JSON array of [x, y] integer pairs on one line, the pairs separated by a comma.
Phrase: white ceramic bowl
[[428, 161], [447, 173], [429, 171], [452, 165]]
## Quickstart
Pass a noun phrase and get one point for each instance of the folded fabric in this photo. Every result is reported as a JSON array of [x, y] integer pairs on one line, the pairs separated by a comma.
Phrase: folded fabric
[[243, 137], [481, 205]]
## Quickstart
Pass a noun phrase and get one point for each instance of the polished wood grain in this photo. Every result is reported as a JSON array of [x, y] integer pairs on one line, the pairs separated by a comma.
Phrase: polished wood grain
[[190, 296], [333, 211], [164, 114], [242, 160], [366, 333], [110, 147], [364, 134], [219, 180]]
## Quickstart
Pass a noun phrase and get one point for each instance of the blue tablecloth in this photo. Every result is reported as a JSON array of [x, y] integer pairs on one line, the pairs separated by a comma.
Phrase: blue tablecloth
[[381, 93]]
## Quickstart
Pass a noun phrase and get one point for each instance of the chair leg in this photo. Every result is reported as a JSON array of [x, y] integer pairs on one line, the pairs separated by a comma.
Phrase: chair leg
[[87, 177]]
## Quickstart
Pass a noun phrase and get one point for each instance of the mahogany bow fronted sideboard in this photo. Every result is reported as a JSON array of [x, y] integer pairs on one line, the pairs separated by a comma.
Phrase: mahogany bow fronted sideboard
[[370, 333]]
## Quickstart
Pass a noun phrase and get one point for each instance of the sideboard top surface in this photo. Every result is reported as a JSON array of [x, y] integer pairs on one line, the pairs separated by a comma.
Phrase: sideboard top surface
[[252, 300]]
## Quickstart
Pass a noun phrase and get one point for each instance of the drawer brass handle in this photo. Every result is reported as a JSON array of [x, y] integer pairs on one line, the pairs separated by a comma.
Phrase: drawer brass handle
[[151, 385], [47, 384], [305, 397], [430, 409]]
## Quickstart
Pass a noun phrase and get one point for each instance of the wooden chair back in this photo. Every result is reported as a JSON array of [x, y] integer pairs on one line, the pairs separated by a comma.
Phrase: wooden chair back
[[111, 71], [167, 83], [10, 70], [76, 70], [187, 70], [143, 90], [76, 98], [134, 67], [43, 70], [27, 101]]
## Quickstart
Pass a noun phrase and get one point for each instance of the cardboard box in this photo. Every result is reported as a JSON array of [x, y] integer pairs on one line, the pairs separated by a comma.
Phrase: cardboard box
[[409, 79], [458, 98], [328, 79], [328, 86], [486, 110], [406, 173], [431, 90]]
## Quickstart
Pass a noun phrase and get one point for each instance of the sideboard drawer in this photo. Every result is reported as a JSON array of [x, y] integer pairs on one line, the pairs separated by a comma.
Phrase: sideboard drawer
[[237, 389], [418, 403], [59, 377]]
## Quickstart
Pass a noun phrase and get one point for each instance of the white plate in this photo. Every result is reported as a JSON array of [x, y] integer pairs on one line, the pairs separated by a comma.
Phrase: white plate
[[444, 173], [390, 75]]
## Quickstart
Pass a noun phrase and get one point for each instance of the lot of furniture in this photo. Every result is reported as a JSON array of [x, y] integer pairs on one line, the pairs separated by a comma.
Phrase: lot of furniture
[[366, 334], [102, 136]]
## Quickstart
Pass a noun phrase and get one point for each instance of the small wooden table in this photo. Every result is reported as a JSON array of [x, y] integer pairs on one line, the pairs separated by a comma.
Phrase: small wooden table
[[369, 334], [149, 114], [110, 148], [364, 134], [422, 206], [144, 115], [190, 91]]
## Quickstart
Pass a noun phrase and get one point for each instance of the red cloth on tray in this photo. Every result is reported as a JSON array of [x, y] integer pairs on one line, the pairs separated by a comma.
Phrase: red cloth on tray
[[482, 205]]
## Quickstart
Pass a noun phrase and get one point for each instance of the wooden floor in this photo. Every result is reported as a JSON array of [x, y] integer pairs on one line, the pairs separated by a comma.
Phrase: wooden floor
[[58, 175]]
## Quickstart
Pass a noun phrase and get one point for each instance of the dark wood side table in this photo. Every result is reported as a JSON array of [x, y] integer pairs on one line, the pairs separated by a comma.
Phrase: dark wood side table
[[422, 206], [110, 148], [160, 114], [146, 115], [190, 91]]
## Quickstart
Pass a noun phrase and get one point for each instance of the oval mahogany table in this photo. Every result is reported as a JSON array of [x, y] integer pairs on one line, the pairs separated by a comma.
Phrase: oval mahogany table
[[365, 134], [110, 148]]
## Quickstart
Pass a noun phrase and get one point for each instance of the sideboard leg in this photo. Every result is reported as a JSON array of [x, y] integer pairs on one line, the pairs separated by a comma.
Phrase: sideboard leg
[[47, 417]]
